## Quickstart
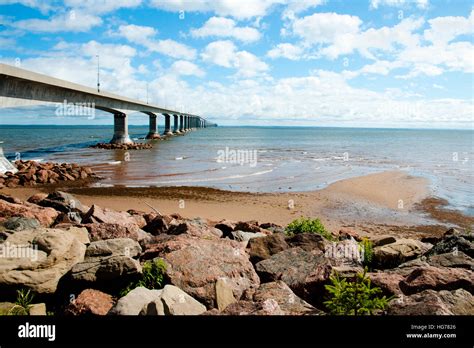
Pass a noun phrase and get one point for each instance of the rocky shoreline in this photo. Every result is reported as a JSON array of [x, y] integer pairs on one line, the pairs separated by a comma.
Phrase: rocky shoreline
[[32, 173], [78, 260]]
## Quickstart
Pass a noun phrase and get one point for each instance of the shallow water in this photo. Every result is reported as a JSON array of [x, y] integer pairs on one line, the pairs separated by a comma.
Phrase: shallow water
[[271, 159]]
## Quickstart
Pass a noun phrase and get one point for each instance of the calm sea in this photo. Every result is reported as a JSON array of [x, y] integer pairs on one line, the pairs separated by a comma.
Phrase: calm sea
[[261, 159]]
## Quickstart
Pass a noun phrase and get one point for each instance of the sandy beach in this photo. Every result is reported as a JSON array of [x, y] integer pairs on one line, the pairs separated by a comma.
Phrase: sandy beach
[[387, 202]]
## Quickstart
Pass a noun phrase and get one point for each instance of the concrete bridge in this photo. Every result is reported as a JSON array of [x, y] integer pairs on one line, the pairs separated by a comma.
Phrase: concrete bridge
[[18, 85]]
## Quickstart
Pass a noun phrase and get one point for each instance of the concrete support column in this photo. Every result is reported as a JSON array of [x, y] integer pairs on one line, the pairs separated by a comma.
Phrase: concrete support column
[[181, 123], [167, 125], [121, 129], [153, 130], [176, 124], [186, 123]]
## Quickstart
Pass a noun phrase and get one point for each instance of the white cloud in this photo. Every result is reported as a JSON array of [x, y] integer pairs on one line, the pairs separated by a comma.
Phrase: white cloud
[[315, 99], [445, 29], [72, 16], [144, 36], [102, 6], [224, 53], [221, 53], [75, 21], [183, 67], [286, 50], [43, 6], [241, 9], [325, 27], [422, 4], [226, 27]]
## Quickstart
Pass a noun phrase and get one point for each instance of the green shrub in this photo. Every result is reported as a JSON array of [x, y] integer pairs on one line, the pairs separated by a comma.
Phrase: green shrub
[[307, 225], [22, 306], [354, 298], [367, 249], [153, 276]]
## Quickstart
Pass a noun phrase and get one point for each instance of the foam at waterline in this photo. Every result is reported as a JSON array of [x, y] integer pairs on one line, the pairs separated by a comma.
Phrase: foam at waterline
[[238, 176]]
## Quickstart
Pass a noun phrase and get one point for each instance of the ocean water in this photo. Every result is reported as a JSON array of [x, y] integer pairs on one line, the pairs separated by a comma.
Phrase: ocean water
[[261, 159]]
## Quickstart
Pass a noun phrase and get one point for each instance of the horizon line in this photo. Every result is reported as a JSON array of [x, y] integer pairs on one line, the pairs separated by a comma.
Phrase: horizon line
[[247, 126]]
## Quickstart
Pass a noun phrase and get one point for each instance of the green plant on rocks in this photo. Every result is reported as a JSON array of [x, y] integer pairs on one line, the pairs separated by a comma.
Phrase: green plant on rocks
[[367, 250], [308, 225], [354, 298], [23, 302], [153, 276]]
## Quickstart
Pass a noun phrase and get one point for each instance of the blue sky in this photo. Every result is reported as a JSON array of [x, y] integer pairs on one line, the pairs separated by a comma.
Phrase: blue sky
[[375, 63]]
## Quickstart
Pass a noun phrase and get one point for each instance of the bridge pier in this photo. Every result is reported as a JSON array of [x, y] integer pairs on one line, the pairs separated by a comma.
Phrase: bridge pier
[[176, 125], [181, 123], [153, 130], [121, 129], [167, 125]]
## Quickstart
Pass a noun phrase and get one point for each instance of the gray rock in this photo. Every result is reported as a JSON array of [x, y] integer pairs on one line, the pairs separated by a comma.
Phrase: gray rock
[[38, 309], [174, 301], [119, 246], [103, 270], [21, 223], [455, 259], [452, 243], [63, 202], [382, 240], [242, 236], [393, 254], [133, 302]]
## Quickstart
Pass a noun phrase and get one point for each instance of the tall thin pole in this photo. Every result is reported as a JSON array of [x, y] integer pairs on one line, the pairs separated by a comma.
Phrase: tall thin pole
[[98, 73]]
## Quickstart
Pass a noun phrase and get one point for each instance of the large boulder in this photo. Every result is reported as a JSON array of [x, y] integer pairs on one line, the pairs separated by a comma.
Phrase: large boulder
[[46, 216], [453, 242], [102, 231], [393, 254], [118, 246], [389, 282], [108, 264], [46, 256], [90, 301], [305, 272], [195, 264], [455, 259], [196, 228], [263, 248], [133, 302], [437, 278], [308, 241], [97, 214], [63, 202], [174, 301], [430, 302], [289, 303]]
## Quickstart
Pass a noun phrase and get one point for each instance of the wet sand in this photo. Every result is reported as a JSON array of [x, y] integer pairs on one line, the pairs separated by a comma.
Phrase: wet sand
[[389, 202]]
